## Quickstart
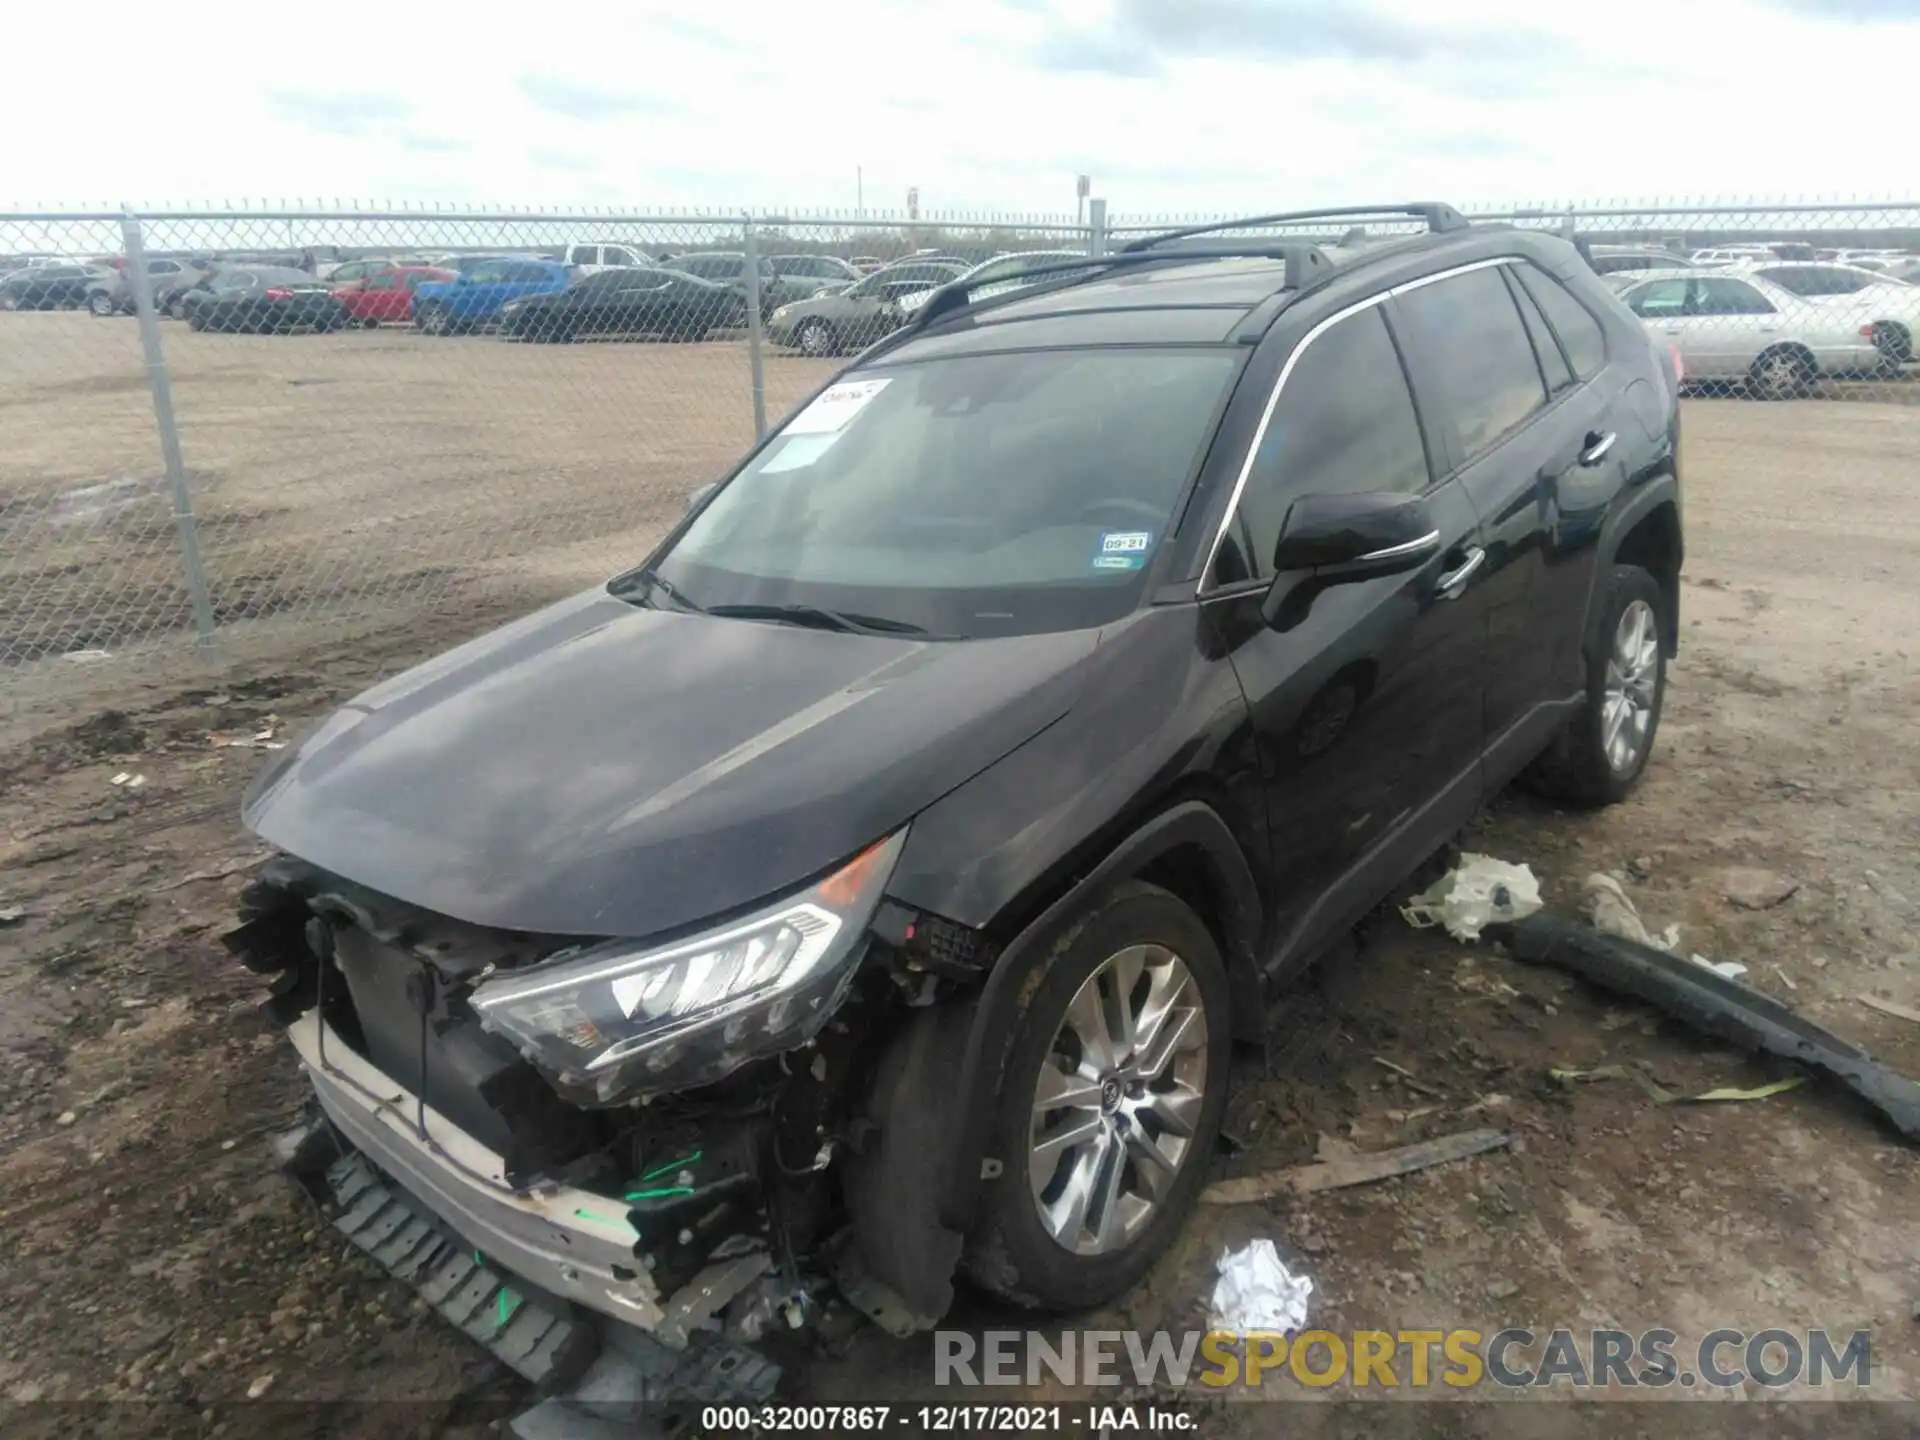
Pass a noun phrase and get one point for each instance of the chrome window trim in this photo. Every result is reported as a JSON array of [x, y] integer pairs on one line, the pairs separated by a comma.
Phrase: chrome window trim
[[1280, 383]]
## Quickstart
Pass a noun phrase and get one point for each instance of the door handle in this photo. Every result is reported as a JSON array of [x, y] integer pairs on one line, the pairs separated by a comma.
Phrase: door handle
[[1453, 584], [1597, 446]]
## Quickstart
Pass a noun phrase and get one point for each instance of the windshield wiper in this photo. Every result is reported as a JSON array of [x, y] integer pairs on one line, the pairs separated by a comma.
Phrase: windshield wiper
[[654, 580], [822, 619]]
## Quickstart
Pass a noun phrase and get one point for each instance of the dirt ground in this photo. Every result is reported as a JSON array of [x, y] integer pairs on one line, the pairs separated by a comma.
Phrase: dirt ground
[[151, 1251]]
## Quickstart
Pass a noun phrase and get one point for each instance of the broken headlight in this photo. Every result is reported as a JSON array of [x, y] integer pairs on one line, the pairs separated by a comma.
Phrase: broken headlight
[[628, 1015]]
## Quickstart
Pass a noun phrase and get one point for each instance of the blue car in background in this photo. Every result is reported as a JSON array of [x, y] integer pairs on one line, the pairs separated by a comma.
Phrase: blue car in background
[[443, 307]]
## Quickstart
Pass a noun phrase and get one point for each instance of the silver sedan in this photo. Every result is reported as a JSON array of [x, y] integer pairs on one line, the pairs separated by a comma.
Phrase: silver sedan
[[1745, 329]]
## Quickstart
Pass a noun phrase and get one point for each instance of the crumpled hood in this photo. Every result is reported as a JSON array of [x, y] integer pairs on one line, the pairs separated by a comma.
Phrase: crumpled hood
[[599, 768]]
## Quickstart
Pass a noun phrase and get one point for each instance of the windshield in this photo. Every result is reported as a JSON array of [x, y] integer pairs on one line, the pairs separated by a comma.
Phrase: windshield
[[971, 496]]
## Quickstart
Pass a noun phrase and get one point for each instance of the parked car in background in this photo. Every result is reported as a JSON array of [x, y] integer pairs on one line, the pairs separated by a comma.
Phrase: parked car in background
[[1612, 259], [627, 301], [1744, 330], [384, 295], [1731, 254], [861, 314], [1869, 259], [47, 287], [14, 264], [812, 274], [266, 298], [729, 268], [444, 307], [1889, 305], [1906, 269], [997, 276], [867, 264], [111, 292], [464, 263], [602, 255]]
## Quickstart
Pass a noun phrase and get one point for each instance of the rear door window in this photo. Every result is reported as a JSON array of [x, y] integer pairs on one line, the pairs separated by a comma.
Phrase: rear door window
[[1483, 364], [1344, 422], [1659, 299]]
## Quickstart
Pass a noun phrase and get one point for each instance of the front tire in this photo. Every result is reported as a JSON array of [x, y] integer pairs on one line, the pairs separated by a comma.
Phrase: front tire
[[434, 320], [1109, 1107], [814, 337], [1781, 374], [101, 304], [196, 321], [1603, 752]]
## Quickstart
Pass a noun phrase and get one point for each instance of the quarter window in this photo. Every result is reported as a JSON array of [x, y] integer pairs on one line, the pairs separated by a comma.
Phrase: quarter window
[[1545, 348], [1580, 334], [1344, 422], [1483, 365]]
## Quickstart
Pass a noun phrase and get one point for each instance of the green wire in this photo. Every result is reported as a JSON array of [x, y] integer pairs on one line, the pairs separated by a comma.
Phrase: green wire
[[659, 1193], [670, 1165]]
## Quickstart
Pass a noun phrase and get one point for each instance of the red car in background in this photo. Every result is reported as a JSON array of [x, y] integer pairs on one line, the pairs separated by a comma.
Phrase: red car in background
[[385, 293]]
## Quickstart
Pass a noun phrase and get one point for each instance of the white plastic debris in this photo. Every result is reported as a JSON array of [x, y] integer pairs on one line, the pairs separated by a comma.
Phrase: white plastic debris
[[1256, 1291], [1613, 913], [1476, 893], [1725, 969]]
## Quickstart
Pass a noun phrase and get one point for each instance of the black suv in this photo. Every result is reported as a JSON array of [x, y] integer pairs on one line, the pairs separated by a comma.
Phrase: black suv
[[877, 877]]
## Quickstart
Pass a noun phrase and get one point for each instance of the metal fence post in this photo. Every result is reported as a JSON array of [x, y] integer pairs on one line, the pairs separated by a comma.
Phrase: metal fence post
[[1096, 228], [157, 380], [755, 368]]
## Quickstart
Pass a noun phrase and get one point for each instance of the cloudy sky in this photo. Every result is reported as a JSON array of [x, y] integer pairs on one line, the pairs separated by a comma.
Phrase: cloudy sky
[[1171, 105]]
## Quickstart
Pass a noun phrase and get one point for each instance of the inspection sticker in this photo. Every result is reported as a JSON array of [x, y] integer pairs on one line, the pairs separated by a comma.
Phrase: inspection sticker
[[833, 407], [1118, 562]]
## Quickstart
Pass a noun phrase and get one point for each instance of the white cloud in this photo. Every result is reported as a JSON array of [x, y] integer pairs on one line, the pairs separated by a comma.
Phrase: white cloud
[[1172, 105]]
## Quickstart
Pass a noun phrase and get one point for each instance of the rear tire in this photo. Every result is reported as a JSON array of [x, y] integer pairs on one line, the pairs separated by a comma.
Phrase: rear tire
[[433, 320], [196, 321], [1587, 764], [1091, 1104], [1895, 345], [101, 304]]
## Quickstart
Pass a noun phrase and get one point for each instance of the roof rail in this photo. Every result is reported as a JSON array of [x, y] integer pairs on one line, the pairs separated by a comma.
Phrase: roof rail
[[1441, 219], [1305, 264]]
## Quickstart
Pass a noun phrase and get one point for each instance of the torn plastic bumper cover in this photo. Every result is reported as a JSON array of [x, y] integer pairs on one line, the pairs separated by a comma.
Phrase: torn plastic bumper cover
[[1724, 1008]]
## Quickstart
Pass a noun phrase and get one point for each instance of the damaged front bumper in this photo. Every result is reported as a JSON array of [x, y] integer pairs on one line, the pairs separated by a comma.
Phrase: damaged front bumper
[[570, 1243]]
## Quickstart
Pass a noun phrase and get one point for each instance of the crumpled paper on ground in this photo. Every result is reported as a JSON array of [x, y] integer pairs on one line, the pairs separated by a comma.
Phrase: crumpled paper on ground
[[1473, 895], [1256, 1291]]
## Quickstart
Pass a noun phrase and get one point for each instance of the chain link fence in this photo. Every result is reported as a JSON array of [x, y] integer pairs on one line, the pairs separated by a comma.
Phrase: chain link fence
[[247, 434]]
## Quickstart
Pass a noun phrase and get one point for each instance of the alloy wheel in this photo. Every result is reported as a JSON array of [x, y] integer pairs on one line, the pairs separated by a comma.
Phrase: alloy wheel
[[1117, 1100], [1633, 671], [1780, 376], [815, 339]]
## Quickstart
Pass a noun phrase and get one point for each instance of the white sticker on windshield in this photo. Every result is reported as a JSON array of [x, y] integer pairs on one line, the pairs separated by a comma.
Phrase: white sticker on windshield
[[833, 407]]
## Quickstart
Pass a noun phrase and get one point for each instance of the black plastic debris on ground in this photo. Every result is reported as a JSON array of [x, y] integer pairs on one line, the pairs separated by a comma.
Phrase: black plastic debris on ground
[[1715, 1005]]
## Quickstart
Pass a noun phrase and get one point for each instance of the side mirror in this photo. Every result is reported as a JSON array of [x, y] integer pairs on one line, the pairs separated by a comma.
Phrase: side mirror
[[1352, 537]]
